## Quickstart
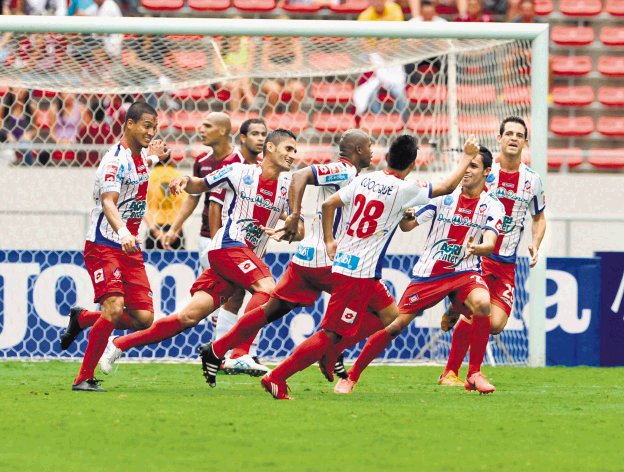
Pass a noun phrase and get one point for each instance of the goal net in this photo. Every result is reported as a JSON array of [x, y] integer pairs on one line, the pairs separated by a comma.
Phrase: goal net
[[65, 94]]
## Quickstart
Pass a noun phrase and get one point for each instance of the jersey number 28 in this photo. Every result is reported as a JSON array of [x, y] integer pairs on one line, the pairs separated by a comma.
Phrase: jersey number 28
[[364, 222]]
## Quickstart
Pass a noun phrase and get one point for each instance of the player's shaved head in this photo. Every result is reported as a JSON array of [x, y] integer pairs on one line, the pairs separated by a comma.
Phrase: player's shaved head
[[220, 120], [351, 140]]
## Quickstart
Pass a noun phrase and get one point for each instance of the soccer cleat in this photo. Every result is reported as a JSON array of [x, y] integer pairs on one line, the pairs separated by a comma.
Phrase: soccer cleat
[[244, 365], [450, 380], [279, 390], [339, 368], [210, 364], [73, 328], [449, 319], [111, 354], [89, 385], [345, 386], [478, 382]]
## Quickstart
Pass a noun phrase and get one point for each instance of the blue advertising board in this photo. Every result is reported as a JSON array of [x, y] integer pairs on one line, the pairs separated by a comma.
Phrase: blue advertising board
[[612, 309]]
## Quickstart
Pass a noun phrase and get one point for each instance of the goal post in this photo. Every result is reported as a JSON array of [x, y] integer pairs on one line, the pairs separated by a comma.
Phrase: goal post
[[472, 56]]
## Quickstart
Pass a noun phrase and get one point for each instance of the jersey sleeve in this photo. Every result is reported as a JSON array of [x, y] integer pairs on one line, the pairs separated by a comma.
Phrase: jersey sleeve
[[113, 170], [347, 193], [417, 193], [217, 196], [219, 178], [494, 216], [538, 200], [334, 173], [427, 212]]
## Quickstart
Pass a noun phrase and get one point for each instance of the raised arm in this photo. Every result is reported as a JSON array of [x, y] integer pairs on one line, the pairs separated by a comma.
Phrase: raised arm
[[111, 212], [451, 181], [328, 213], [538, 229], [191, 185]]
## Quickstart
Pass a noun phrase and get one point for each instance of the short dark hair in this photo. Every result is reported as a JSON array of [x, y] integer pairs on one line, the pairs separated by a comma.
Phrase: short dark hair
[[277, 137], [486, 155], [137, 110], [427, 3], [244, 127], [403, 151], [513, 119]]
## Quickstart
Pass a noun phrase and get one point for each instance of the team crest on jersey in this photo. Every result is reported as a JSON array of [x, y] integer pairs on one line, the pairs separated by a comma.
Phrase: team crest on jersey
[[117, 274], [248, 180], [482, 208], [448, 200], [527, 185], [413, 299], [283, 190], [490, 178]]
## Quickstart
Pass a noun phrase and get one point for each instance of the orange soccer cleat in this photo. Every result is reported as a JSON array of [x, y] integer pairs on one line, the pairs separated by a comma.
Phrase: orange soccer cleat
[[450, 379]]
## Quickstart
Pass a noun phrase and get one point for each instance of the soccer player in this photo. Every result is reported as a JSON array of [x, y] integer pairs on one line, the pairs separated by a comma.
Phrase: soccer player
[[309, 272], [520, 191], [450, 263], [373, 205], [256, 198], [112, 255]]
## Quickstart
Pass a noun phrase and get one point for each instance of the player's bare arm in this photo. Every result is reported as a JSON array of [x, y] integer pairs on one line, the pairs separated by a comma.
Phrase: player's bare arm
[[538, 229], [214, 217], [327, 219], [111, 212], [451, 181], [409, 221], [158, 148], [485, 247], [186, 210], [190, 185], [280, 234], [300, 180]]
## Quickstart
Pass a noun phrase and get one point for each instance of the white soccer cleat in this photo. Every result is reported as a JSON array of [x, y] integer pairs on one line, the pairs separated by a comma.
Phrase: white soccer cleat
[[111, 354], [244, 365]]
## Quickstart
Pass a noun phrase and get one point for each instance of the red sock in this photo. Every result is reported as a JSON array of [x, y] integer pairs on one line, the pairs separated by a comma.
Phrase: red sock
[[242, 348], [459, 346], [479, 337], [373, 348], [304, 355], [370, 324], [246, 328], [98, 337], [88, 318], [164, 328]]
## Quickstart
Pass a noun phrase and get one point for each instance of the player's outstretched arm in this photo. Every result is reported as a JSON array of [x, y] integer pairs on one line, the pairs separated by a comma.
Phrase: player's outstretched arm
[[485, 247], [187, 208], [451, 181], [327, 219], [191, 185], [300, 180], [409, 221], [111, 212], [538, 229]]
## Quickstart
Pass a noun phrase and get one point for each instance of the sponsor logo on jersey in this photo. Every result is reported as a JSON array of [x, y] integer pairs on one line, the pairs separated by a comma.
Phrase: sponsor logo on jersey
[[248, 180], [482, 207], [135, 210], [326, 170], [253, 233], [110, 173], [381, 189], [141, 168], [305, 253], [268, 193], [259, 201], [466, 211], [458, 220], [413, 299], [448, 252], [247, 266], [501, 193], [336, 178], [98, 276], [349, 316], [448, 200], [347, 261], [508, 184], [219, 173], [422, 183], [508, 225]]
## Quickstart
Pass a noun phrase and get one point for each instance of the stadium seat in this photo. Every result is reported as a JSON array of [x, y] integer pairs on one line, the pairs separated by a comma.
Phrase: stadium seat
[[162, 5], [426, 93], [163, 120], [612, 66], [572, 35], [382, 124], [478, 124], [543, 7], [611, 125], [256, 6], [564, 157], [187, 121], [611, 96], [209, 5], [580, 7], [332, 92], [195, 93], [188, 60], [573, 95], [518, 95], [571, 65], [476, 94], [612, 35], [314, 154], [63, 156], [350, 7], [606, 158], [301, 7], [333, 122], [572, 125], [178, 150], [615, 7], [36, 93], [237, 118], [3, 90], [295, 122], [329, 60], [427, 124]]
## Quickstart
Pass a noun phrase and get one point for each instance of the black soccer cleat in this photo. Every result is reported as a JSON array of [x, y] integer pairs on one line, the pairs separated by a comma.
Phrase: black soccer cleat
[[73, 328], [339, 368], [89, 385], [210, 364]]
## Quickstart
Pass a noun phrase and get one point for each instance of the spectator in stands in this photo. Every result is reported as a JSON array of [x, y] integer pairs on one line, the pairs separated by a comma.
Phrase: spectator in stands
[[95, 130], [238, 57], [16, 117], [474, 13], [382, 10], [66, 118], [281, 54], [82, 8], [525, 12], [441, 6], [44, 7], [427, 12]]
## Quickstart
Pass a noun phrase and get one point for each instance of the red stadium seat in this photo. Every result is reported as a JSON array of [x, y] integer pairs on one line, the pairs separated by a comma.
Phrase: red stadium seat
[[314, 154], [179, 150], [43, 93], [188, 60], [426, 93], [611, 125], [564, 157], [3, 91], [162, 5], [381, 124], [295, 122], [573, 95], [257, 6], [606, 158], [329, 60], [237, 118], [333, 122], [301, 7], [332, 92], [195, 93], [187, 121], [612, 35], [611, 96], [63, 156], [572, 35], [571, 65], [519, 95], [615, 7], [543, 7], [481, 124], [163, 120], [572, 125], [476, 94], [580, 7], [612, 66], [209, 5], [350, 7], [428, 124]]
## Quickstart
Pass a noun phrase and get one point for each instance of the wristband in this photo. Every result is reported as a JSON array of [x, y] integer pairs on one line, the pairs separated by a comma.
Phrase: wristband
[[123, 232], [153, 159]]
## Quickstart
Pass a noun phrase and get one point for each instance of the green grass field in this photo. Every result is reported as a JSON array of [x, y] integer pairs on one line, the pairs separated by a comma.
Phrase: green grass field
[[164, 417]]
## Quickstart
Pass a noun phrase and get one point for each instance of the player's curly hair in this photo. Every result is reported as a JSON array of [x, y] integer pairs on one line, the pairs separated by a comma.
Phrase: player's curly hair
[[403, 151]]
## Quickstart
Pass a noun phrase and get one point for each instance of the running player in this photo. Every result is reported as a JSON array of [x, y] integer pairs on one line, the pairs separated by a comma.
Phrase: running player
[[256, 199], [374, 204], [520, 191], [450, 263]]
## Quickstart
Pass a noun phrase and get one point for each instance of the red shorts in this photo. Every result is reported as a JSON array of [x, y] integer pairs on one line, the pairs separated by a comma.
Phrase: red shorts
[[113, 272], [419, 296], [349, 301], [302, 285], [229, 268]]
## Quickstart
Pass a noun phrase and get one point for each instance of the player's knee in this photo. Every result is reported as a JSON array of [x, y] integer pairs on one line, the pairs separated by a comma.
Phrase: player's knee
[[481, 307], [113, 308], [144, 322]]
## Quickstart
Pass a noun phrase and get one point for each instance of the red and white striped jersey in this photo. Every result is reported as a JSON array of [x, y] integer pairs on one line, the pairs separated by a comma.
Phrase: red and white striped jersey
[[374, 206], [331, 177], [250, 202], [455, 218], [127, 175], [519, 192]]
